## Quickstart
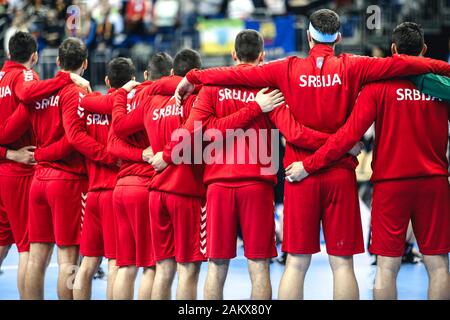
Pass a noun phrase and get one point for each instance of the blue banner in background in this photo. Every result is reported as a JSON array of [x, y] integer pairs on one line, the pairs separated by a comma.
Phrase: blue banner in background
[[278, 33]]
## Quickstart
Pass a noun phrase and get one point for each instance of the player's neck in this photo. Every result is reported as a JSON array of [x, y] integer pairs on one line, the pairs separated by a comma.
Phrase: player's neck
[[79, 71], [27, 65], [254, 63]]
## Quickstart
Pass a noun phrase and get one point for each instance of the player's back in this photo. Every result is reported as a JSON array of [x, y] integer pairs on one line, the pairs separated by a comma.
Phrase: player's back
[[321, 90], [411, 132], [162, 117], [239, 154], [139, 139], [9, 78], [47, 123]]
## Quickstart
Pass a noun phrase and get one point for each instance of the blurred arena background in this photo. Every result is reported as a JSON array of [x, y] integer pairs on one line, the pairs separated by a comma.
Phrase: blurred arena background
[[139, 28]]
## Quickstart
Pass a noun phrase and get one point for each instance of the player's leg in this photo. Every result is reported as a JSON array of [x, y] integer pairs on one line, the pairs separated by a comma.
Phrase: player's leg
[[189, 231], [439, 277], [126, 246], [40, 254], [342, 228], [221, 235], [41, 238], [391, 207], [386, 278], [257, 223], [6, 236], [188, 280], [165, 273], [146, 285], [163, 244], [124, 283], [215, 279], [345, 286], [22, 271], [68, 265], [91, 248], [145, 257], [259, 270], [66, 200], [431, 224], [293, 279], [82, 288], [113, 269], [109, 232], [301, 234]]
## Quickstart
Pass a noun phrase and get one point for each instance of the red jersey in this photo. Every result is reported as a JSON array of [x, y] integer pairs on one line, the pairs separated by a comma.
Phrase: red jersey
[[320, 89], [223, 108], [56, 157], [129, 147], [160, 117], [101, 176], [411, 132], [19, 84]]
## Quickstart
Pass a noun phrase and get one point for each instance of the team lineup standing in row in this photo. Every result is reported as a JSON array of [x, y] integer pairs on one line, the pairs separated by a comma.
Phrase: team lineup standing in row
[[145, 209]]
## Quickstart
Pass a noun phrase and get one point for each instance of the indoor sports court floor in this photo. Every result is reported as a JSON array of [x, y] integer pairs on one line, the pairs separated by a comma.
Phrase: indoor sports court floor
[[412, 280]]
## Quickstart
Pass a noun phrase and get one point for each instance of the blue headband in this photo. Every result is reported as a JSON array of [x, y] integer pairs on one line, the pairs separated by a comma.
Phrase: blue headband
[[320, 36]]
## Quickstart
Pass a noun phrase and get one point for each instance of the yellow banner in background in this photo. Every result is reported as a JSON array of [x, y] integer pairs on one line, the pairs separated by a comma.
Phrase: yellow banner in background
[[217, 35]]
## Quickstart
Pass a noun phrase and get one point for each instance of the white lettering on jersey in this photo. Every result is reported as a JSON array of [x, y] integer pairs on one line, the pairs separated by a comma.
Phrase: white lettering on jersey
[[131, 106], [319, 81], [28, 75], [235, 94], [97, 119], [170, 110], [47, 102], [404, 94], [5, 91], [80, 111]]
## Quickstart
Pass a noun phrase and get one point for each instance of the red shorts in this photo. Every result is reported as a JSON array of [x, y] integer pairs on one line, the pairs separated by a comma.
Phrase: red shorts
[[56, 211], [330, 197], [6, 236], [98, 235], [250, 206], [14, 202], [424, 201], [176, 223], [134, 242]]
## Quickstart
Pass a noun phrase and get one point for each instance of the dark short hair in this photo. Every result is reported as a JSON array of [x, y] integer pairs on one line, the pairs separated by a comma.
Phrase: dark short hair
[[159, 65], [186, 60], [326, 21], [72, 53], [409, 38], [119, 71], [21, 46], [248, 45]]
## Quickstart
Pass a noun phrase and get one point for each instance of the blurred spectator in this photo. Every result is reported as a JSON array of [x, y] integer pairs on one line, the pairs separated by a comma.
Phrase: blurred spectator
[[375, 51], [138, 16], [37, 11], [53, 31], [188, 21], [61, 9], [166, 15], [19, 23], [211, 9], [105, 33], [276, 7], [240, 9]]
